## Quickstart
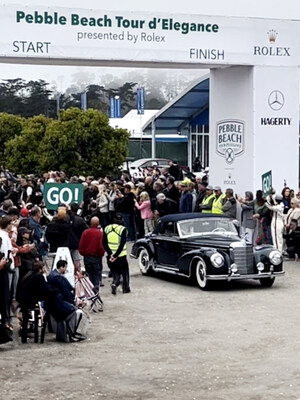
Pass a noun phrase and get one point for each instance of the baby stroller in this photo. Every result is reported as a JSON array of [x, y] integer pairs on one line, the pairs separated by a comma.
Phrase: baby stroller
[[84, 291]]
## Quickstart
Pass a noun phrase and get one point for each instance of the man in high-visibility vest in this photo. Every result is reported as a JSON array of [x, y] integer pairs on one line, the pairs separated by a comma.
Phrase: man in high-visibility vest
[[114, 242], [218, 201], [207, 202]]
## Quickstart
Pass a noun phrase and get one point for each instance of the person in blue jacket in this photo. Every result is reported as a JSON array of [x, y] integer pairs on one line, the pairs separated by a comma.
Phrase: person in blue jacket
[[186, 198]]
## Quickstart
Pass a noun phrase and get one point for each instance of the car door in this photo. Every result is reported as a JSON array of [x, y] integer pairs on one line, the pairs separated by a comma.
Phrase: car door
[[168, 246]]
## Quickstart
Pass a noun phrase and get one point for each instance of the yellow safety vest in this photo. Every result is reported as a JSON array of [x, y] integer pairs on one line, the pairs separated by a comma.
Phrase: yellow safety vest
[[114, 233], [206, 201], [218, 204]]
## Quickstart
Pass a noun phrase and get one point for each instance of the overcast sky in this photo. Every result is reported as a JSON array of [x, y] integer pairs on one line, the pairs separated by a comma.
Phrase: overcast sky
[[64, 76]]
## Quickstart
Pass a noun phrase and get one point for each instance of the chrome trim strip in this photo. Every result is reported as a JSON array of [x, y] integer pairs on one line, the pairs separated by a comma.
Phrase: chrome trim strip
[[166, 268], [169, 271], [250, 276]]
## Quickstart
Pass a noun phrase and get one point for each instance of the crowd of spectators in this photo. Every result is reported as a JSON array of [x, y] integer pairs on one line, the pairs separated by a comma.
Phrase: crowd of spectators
[[30, 233]]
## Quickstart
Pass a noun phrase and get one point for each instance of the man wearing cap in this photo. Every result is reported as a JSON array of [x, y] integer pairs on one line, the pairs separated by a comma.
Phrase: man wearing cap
[[207, 202], [164, 206], [218, 201], [201, 192], [186, 198]]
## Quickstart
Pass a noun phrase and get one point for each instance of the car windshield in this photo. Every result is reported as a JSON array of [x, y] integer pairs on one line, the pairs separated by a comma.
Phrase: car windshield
[[202, 226]]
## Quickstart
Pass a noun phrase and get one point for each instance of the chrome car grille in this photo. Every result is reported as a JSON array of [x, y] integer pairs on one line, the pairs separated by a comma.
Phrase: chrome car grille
[[243, 257]]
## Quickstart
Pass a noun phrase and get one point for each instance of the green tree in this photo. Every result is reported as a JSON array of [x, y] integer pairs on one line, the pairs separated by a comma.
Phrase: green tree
[[23, 153], [10, 126], [96, 98], [12, 96], [126, 93], [38, 99], [82, 142], [70, 100]]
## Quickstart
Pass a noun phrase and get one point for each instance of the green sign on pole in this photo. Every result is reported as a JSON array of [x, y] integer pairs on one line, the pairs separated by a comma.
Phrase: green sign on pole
[[267, 183], [62, 193]]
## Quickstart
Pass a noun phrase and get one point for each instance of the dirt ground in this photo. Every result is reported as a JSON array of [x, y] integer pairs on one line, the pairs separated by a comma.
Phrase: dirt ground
[[170, 340]]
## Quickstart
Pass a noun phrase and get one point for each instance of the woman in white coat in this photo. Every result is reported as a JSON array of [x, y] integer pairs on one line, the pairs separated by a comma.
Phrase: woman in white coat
[[293, 213], [275, 204]]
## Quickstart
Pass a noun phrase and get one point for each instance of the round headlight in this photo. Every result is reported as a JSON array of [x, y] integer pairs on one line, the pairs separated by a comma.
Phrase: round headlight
[[217, 260], [275, 257], [260, 266], [234, 268]]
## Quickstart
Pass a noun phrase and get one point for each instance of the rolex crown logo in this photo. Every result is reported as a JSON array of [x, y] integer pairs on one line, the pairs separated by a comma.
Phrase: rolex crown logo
[[272, 34]]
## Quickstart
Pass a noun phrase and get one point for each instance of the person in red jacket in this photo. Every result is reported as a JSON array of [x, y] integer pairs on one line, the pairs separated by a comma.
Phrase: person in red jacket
[[92, 250]]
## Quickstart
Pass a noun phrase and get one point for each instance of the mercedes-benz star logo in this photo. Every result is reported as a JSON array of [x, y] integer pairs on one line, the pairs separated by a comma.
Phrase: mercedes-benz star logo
[[276, 100]]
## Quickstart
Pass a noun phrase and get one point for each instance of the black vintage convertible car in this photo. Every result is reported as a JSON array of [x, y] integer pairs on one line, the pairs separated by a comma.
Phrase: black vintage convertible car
[[207, 247]]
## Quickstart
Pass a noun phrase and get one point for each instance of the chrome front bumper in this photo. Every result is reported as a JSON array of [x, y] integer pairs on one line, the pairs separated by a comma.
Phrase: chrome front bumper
[[249, 276]]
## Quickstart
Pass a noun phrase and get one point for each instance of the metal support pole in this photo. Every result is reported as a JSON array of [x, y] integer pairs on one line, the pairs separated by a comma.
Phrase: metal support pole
[[58, 104], [153, 139], [190, 144]]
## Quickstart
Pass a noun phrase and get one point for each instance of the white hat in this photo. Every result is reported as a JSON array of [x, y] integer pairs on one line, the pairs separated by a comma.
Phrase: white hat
[[160, 196], [131, 184]]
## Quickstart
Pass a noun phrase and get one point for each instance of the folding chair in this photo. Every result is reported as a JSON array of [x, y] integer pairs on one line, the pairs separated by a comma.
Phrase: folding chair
[[84, 291], [34, 320]]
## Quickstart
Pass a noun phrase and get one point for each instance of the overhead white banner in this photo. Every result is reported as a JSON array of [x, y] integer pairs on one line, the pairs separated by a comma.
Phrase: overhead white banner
[[102, 35]]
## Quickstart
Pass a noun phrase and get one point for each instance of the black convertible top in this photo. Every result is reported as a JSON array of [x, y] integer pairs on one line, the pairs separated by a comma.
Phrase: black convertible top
[[181, 217]]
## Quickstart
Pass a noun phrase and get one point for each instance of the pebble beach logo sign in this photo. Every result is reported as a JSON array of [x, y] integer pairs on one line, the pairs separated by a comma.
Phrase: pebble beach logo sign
[[230, 139]]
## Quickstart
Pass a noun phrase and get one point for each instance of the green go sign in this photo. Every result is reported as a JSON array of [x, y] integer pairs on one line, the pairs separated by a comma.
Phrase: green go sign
[[62, 193], [267, 183]]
